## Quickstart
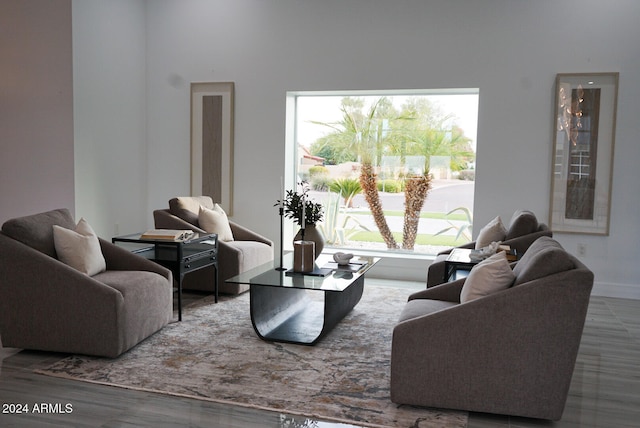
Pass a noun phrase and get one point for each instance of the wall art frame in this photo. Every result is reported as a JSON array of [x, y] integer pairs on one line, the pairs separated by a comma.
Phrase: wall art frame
[[583, 151], [212, 136]]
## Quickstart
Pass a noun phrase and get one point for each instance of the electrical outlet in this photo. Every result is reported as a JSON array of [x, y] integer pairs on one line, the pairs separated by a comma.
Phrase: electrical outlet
[[582, 249]]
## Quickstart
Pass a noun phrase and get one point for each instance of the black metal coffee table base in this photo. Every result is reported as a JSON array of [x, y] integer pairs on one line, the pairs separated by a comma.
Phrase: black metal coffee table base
[[301, 316]]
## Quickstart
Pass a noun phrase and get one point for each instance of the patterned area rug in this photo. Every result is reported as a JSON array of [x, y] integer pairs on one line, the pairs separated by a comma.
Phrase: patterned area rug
[[214, 354]]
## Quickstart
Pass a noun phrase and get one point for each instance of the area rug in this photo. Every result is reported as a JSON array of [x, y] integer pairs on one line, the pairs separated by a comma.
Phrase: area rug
[[215, 355]]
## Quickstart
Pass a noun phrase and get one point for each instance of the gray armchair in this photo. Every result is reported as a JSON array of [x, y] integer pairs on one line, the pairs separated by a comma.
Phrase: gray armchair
[[246, 251], [523, 230], [47, 305], [512, 352]]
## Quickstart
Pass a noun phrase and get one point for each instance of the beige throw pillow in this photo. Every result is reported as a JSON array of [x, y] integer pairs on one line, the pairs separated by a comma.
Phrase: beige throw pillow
[[79, 248], [494, 231], [487, 277], [215, 221]]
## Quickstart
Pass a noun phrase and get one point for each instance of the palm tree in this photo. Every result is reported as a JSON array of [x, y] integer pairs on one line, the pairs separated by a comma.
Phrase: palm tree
[[358, 133], [367, 141], [416, 189], [437, 142], [431, 132], [416, 131]]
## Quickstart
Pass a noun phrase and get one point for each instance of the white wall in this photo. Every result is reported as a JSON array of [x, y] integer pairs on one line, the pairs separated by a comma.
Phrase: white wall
[[511, 50], [36, 107], [109, 47]]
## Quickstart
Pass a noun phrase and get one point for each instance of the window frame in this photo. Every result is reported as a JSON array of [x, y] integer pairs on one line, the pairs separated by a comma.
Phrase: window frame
[[292, 171]]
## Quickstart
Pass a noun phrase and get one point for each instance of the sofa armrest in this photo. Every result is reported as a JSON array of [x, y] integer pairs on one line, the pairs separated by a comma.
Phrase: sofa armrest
[[118, 258], [241, 233], [522, 243], [48, 305], [163, 219], [448, 291], [469, 245]]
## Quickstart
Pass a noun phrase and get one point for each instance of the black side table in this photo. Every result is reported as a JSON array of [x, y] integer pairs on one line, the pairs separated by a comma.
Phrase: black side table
[[181, 256], [458, 259]]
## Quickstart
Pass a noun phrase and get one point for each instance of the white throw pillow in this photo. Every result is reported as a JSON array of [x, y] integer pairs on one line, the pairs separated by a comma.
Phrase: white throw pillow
[[487, 277], [79, 248], [494, 231], [215, 221]]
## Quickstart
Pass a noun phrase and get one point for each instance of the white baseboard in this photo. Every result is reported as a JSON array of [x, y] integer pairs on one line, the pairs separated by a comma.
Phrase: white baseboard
[[400, 269], [623, 291]]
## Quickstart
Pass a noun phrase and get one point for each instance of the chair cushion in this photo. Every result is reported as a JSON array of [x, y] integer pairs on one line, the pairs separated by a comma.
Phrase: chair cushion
[[522, 223], [487, 277], [188, 207], [494, 231], [121, 279], [253, 254], [36, 230], [215, 221], [543, 258], [79, 248]]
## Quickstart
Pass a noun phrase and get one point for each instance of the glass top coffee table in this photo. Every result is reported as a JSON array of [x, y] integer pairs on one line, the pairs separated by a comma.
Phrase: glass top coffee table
[[301, 308]]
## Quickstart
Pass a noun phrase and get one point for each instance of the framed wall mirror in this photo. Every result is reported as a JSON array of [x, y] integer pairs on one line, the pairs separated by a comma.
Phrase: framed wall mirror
[[583, 149]]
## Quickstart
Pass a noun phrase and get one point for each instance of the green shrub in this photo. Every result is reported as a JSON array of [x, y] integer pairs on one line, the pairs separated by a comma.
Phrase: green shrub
[[320, 182], [318, 170], [347, 188], [390, 186]]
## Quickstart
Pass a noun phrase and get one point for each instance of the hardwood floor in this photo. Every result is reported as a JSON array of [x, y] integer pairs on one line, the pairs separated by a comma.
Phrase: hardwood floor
[[605, 391]]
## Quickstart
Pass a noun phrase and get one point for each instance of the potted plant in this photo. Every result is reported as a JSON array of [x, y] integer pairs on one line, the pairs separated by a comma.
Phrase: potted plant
[[294, 204]]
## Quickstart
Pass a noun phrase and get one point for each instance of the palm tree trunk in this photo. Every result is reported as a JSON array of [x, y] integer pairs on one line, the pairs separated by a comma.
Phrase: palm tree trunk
[[415, 193], [370, 190]]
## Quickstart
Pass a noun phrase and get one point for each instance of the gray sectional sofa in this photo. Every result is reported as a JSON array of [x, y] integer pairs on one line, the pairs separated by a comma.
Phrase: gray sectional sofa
[[48, 305], [510, 352]]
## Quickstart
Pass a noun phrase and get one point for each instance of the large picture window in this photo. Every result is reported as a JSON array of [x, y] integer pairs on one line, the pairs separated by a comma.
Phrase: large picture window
[[394, 170]]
